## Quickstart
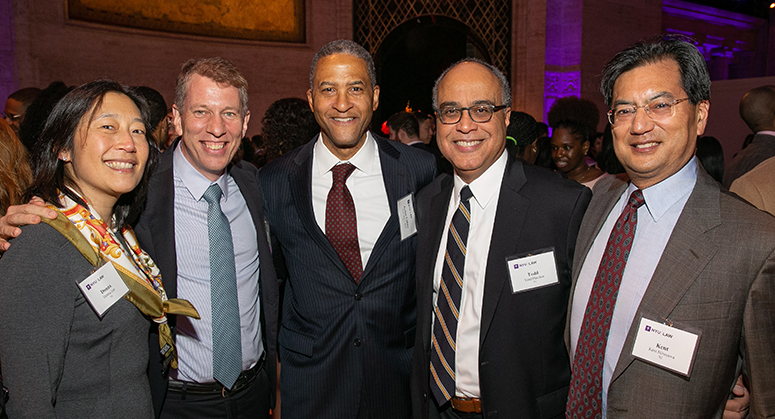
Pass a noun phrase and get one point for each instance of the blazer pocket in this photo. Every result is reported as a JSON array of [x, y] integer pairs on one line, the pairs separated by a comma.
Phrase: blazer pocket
[[701, 311], [552, 405], [296, 342], [409, 337]]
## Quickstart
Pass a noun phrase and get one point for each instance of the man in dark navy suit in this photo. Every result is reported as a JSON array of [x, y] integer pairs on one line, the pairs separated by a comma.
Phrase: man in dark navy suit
[[348, 316]]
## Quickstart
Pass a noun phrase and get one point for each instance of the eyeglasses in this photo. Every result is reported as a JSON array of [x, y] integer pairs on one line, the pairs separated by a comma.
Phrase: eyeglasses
[[657, 109], [479, 113], [11, 117]]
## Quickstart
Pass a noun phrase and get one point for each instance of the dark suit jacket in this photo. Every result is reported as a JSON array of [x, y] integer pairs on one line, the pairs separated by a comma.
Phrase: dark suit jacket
[[156, 235], [716, 275], [523, 370], [343, 343]]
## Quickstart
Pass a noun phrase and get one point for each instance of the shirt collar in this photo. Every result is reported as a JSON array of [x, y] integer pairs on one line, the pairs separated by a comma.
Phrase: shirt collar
[[662, 196], [195, 182], [487, 184], [766, 133], [363, 160]]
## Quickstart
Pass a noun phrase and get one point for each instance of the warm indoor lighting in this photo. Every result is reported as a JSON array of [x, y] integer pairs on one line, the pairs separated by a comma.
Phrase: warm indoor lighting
[[772, 5]]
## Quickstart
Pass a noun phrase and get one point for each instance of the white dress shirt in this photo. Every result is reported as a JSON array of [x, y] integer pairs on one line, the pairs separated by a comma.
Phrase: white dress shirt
[[366, 185], [656, 219], [194, 338], [484, 204]]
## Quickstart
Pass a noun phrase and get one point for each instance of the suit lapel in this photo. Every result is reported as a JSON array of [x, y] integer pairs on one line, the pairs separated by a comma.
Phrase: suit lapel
[[160, 213], [602, 203], [300, 181], [685, 256], [395, 178], [434, 224], [510, 218]]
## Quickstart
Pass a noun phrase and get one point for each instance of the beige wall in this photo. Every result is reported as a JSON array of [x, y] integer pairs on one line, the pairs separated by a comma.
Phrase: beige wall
[[49, 47]]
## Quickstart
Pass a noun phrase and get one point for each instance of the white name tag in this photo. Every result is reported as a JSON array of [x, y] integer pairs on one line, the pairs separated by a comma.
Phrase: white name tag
[[532, 271], [406, 217], [665, 346], [103, 288]]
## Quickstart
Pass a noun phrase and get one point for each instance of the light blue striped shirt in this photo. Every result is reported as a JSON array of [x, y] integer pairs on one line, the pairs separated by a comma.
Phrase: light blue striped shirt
[[194, 337], [665, 202]]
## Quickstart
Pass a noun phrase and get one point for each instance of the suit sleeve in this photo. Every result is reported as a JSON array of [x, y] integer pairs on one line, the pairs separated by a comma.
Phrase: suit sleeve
[[36, 308], [759, 341], [575, 222]]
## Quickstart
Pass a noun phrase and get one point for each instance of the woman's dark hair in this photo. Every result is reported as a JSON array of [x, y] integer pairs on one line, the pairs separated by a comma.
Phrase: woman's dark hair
[[288, 123], [711, 155], [523, 129], [606, 158], [578, 130], [58, 135]]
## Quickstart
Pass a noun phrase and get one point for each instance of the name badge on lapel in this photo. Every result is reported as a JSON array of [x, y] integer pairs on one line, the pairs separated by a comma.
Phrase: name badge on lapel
[[665, 346], [532, 271], [406, 217], [103, 288]]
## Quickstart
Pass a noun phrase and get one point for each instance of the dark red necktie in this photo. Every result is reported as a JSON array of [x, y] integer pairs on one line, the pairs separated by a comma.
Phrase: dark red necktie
[[586, 387], [341, 224]]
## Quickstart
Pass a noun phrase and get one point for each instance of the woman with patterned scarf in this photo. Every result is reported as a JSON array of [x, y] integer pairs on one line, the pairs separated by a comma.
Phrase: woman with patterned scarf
[[77, 293]]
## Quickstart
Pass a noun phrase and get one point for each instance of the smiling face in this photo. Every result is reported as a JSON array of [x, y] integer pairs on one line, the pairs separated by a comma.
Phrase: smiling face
[[211, 124], [471, 147], [343, 102], [109, 152], [651, 151], [568, 152]]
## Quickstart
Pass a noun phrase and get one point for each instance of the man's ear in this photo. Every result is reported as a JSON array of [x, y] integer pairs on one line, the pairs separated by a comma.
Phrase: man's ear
[[702, 116]]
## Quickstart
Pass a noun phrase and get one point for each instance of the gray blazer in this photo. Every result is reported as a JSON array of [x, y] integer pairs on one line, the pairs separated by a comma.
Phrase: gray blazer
[[59, 359], [716, 275]]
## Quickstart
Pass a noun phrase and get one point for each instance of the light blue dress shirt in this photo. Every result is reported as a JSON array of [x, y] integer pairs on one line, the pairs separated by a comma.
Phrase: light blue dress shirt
[[194, 337], [656, 219]]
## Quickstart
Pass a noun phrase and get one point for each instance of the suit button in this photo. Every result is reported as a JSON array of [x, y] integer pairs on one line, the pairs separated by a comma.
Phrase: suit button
[[357, 342], [358, 296]]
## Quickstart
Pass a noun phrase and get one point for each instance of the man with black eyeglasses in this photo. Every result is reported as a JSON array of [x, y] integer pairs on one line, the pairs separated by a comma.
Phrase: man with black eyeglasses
[[16, 106], [495, 242], [674, 280]]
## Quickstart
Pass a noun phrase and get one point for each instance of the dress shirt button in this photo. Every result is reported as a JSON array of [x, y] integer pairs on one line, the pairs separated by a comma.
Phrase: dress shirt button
[[358, 296], [357, 342]]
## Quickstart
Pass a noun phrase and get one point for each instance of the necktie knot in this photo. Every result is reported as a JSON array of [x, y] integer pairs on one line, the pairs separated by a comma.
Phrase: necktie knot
[[465, 194], [212, 194], [342, 171], [636, 199]]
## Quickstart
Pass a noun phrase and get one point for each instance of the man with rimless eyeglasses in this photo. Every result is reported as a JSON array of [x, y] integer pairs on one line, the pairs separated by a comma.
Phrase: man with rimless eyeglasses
[[673, 279]]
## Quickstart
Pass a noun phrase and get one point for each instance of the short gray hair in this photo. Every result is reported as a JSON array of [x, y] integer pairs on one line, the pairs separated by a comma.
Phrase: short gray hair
[[344, 46], [505, 89]]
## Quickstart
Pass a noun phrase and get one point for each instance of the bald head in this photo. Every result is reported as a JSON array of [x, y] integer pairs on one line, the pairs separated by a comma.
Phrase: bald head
[[757, 108]]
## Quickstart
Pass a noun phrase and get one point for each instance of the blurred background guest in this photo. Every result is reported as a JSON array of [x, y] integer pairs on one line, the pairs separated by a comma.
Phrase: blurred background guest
[[570, 143], [38, 111], [288, 123], [711, 155], [16, 106], [160, 122], [522, 135]]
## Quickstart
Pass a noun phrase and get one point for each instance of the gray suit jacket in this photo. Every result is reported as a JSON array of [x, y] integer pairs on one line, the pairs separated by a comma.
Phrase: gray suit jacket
[[716, 275], [59, 358]]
